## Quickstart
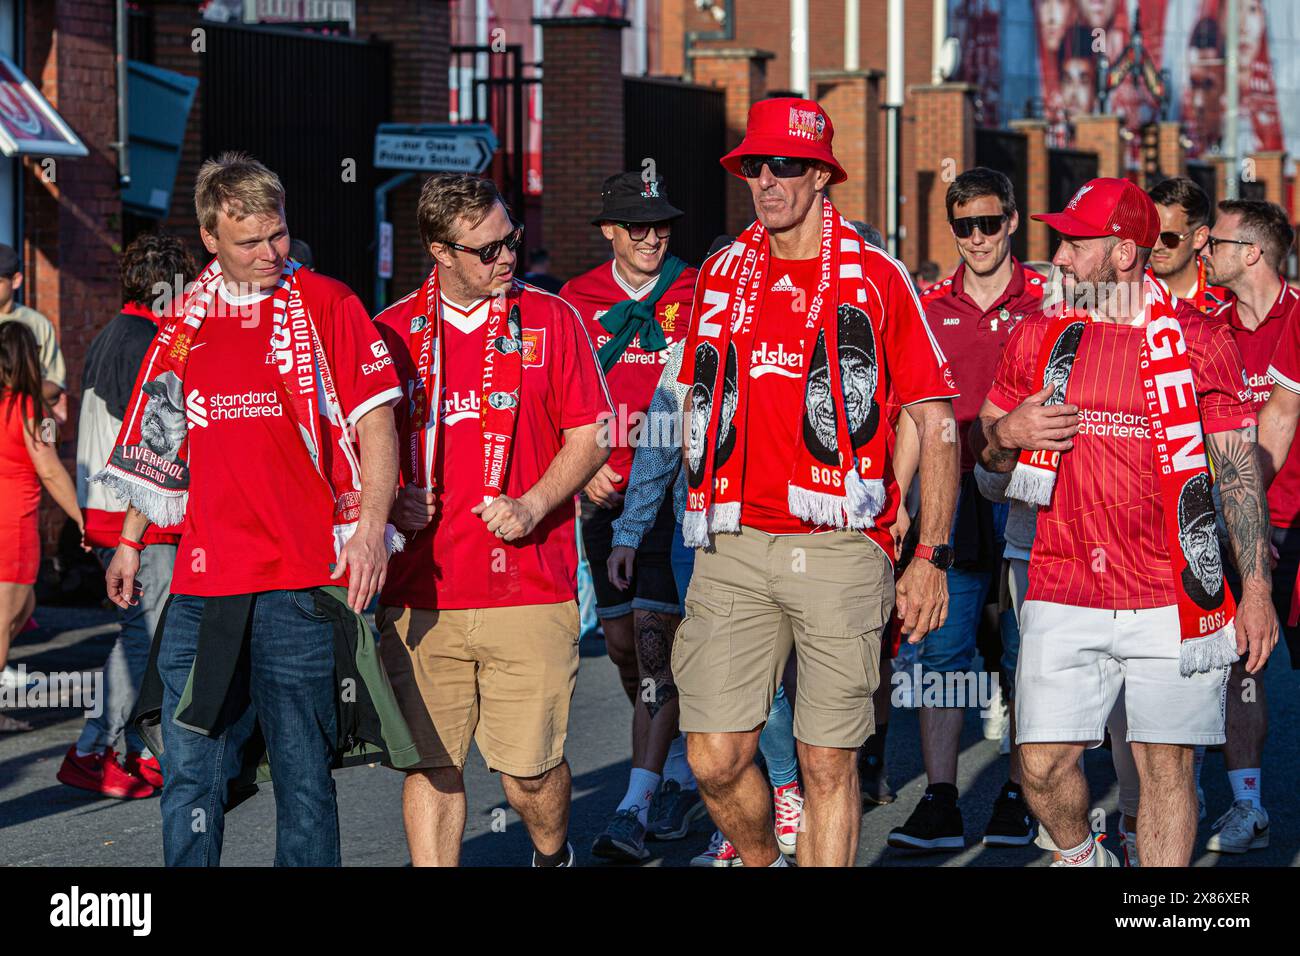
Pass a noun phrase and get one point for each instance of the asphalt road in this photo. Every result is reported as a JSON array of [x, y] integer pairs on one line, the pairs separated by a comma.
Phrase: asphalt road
[[44, 823]]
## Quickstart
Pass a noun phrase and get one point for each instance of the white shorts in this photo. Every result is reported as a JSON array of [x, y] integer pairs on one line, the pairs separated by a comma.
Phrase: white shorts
[[1076, 661]]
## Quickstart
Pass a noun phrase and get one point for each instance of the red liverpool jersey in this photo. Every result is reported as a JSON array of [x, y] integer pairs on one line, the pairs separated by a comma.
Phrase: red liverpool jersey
[[1102, 541], [634, 376], [973, 338], [1258, 349]]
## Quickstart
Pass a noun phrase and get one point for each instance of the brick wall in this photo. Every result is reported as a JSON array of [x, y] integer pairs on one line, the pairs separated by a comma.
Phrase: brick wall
[[419, 34], [1268, 169], [1101, 135], [582, 135], [742, 74], [852, 100], [1039, 239], [943, 127], [174, 49], [73, 208]]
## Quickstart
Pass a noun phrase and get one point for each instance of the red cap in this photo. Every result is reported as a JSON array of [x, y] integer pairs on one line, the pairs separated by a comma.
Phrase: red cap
[[787, 126], [1108, 207]]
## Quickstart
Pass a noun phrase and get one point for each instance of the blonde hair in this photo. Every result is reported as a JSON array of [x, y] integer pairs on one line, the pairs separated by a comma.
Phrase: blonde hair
[[237, 184], [447, 197]]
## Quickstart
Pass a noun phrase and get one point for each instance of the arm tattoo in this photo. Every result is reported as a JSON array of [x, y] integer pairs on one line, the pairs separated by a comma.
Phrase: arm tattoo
[[1244, 504]]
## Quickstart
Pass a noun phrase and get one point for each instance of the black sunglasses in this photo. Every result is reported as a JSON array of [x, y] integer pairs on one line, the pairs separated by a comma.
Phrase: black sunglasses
[[639, 230], [782, 167], [489, 253], [965, 227], [1216, 241]]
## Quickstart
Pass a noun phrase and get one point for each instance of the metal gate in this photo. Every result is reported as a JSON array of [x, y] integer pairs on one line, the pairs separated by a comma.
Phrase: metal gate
[[1008, 152], [307, 106], [680, 128], [1067, 170], [491, 86]]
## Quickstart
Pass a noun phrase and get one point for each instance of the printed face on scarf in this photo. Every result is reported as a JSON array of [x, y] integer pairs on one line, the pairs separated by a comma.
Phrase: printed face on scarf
[[727, 414], [162, 424], [784, 203], [464, 276], [819, 404], [1061, 362], [251, 250], [699, 425], [1200, 546]]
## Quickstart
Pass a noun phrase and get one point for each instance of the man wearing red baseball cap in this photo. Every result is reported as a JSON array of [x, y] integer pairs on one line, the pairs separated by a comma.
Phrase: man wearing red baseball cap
[[1103, 410], [797, 328]]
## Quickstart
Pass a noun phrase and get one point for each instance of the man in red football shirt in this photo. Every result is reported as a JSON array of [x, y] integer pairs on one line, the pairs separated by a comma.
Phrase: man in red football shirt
[[478, 618], [278, 508], [1249, 247], [972, 314], [634, 307], [1108, 610], [1177, 259], [797, 337]]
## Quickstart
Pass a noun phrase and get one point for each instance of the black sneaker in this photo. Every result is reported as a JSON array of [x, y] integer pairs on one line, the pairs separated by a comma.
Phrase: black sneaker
[[1011, 823], [935, 824], [873, 783]]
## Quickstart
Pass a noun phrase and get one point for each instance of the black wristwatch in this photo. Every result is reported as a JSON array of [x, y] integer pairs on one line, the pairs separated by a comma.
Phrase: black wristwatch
[[940, 555]]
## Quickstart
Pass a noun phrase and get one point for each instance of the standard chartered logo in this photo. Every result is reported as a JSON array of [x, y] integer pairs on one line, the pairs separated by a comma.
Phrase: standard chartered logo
[[202, 410]]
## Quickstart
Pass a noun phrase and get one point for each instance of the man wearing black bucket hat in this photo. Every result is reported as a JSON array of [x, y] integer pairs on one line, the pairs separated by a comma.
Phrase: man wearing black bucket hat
[[634, 306]]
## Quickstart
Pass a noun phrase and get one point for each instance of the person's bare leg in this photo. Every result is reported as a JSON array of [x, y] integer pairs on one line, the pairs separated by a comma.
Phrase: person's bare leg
[[654, 724], [1167, 813], [735, 792], [433, 811], [1057, 790], [17, 602], [620, 644], [1013, 769], [1247, 720], [542, 802], [940, 734], [832, 808]]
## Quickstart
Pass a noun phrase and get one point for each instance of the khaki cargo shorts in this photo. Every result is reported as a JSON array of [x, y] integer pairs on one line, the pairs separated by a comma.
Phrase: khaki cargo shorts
[[753, 598], [502, 676]]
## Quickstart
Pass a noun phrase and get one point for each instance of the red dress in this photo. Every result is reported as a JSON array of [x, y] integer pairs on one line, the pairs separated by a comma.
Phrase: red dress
[[20, 495]]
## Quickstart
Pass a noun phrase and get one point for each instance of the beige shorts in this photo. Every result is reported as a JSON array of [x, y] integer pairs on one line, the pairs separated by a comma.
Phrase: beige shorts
[[753, 598], [502, 676]]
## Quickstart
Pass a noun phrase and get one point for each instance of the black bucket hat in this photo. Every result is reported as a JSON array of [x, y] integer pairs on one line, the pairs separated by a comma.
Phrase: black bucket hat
[[626, 197]]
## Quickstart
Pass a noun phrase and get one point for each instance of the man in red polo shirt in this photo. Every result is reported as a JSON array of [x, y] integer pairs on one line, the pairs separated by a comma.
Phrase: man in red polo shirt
[[1178, 259], [800, 335], [498, 431], [1104, 412], [1248, 251], [972, 314], [634, 307]]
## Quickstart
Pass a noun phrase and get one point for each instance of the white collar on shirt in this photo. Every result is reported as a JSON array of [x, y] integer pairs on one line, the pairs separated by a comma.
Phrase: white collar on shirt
[[466, 319], [632, 293], [232, 299]]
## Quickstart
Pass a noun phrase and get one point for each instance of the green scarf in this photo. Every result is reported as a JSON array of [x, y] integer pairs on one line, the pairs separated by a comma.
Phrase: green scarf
[[630, 318]]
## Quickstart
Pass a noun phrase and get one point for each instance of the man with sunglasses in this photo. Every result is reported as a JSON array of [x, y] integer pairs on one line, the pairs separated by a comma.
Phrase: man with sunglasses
[[802, 335], [1248, 251], [634, 306], [972, 314], [498, 432], [1177, 258]]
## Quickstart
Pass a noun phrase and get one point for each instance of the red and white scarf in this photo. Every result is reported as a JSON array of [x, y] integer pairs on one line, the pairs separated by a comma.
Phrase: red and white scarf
[[502, 376], [1178, 441], [153, 474], [837, 476]]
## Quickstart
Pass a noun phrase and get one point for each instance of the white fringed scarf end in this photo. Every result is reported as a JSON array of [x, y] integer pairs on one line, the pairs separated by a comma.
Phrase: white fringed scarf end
[[1197, 655]]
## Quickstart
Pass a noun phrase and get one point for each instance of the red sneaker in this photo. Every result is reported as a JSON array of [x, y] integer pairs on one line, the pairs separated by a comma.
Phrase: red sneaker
[[102, 774], [150, 771]]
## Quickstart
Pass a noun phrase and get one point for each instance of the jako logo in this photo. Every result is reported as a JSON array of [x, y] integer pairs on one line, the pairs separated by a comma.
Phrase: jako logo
[[75, 909], [777, 361]]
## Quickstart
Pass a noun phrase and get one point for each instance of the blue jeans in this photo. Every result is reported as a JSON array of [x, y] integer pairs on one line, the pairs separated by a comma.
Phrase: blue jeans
[[285, 683], [124, 669], [951, 649], [588, 622]]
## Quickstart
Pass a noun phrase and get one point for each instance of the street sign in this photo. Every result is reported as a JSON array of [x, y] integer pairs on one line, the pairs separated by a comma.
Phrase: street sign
[[385, 250], [440, 147]]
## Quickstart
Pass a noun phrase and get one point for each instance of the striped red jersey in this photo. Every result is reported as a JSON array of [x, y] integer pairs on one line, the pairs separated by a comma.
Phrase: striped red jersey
[[1102, 541]]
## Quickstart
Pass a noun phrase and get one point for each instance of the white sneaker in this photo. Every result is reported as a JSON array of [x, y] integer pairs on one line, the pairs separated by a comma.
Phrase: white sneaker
[[12, 678], [719, 853], [995, 718], [787, 802], [1103, 857], [1244, 827]]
